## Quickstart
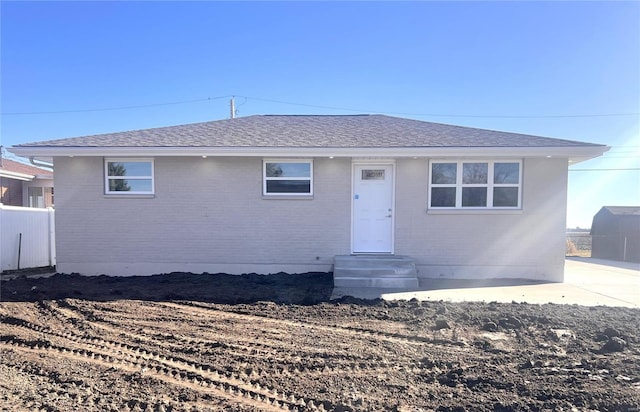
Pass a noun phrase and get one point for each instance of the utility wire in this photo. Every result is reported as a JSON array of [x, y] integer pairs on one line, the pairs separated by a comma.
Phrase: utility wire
[[324, 107], [603, 170], [443, 115], [114, 108]]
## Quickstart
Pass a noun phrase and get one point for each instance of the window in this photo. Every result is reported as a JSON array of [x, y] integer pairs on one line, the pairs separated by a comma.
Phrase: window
[[36, 197], [40, 197], [287, 178], [128, 176], [475, 184]]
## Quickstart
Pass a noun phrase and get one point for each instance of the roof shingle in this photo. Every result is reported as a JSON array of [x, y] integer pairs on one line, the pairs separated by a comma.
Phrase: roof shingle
[[312, 131]]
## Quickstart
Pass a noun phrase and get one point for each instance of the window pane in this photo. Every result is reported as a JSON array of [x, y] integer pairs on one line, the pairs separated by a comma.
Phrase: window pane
[[288, 169], [443, 197], [443, 173], [505, 196], [373, 174], [288, 186], [130, 185], [506, 173], [129, 168], [35, 197], [474, 197], [475, 173]]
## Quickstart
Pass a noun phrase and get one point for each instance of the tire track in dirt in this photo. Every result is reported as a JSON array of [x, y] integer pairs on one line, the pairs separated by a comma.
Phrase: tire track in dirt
[[242, 377], [221, 389], [171, 369], [362, 333], [290, 364]]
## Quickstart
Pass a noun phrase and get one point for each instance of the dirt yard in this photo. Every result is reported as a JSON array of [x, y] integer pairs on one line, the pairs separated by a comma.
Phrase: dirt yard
[[185, 342]]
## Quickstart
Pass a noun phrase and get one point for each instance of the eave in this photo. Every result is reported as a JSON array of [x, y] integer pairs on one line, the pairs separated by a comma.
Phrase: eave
[[16, 176], [574, 154]]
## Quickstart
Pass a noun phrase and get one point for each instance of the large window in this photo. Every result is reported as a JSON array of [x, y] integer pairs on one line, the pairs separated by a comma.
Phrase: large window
[[287, 178], [128, 176], [475, 184]]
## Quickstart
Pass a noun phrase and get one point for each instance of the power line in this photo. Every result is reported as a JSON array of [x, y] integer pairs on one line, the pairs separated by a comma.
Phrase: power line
[[323, 107], [104, 109], [444, 115], [603, 170]]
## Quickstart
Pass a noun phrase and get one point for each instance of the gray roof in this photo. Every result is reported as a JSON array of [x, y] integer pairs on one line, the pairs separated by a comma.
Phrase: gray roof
[[623, 210], [302, 131]]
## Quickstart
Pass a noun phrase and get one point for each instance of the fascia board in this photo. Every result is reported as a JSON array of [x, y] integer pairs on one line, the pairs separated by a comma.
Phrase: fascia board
[[17, 176], [578, 153]]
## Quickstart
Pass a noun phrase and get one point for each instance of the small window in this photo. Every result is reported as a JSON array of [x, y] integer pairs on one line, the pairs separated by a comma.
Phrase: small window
[[36, 197], [475, 184], [128, 176], [373, 174], [287, 178]]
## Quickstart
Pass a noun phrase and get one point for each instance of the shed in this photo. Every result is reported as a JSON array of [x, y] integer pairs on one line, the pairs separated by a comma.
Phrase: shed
[[615, 233]]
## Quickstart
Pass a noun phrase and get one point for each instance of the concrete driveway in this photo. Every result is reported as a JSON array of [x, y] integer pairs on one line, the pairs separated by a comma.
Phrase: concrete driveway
[[589, 282]]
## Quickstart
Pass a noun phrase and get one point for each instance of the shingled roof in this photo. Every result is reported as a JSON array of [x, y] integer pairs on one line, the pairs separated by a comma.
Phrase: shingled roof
[[302, 131], [13, 169], [623, 210]]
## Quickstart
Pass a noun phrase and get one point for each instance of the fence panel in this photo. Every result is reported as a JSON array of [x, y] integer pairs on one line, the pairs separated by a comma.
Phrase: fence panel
[[579, 244], [27, 237]]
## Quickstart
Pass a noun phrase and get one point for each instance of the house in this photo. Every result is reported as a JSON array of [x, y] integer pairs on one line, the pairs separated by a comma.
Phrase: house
[[25, 185], [271, 193], [615, 233]]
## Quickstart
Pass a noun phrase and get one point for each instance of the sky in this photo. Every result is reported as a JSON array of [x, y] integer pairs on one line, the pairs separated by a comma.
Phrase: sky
[[567, 70]]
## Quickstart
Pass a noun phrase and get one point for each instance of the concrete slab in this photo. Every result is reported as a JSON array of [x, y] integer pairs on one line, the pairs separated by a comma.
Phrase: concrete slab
[[588, 282]]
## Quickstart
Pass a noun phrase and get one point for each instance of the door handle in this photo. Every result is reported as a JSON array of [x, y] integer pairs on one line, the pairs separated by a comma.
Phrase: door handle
[[388, 216]]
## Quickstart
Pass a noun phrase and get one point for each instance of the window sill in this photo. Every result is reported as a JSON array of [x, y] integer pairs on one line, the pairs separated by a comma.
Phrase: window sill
[[287, 197], [136, 196], [474, 211]]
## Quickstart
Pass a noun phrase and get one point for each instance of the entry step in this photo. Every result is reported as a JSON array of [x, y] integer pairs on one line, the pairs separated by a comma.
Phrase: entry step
[[373, 271]]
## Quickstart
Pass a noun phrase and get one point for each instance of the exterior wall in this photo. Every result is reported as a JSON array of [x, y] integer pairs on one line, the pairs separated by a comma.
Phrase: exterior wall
[[527, 243], [10, 191], [208, 215]]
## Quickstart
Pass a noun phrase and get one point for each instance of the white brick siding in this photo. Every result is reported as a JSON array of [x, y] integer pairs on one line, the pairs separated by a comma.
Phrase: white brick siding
[[527, 243], [208, 215]]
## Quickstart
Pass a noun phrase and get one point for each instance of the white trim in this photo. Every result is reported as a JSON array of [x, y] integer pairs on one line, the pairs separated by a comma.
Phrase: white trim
[[109, 193], [266, 194], [574, 153], [16, 176], [362, 162]]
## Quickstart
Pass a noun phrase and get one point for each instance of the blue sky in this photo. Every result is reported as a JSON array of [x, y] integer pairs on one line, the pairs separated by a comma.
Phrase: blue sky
[[545, 68]]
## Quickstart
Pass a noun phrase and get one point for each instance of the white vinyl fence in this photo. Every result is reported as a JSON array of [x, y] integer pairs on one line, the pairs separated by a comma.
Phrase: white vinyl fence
[[27, 238]]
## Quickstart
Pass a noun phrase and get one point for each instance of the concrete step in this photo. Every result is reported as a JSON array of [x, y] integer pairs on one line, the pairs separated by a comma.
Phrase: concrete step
[[368, 271], [407, 283]]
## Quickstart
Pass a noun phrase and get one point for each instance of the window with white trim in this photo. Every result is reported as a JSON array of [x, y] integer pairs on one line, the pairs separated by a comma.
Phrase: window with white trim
[[287, 178], [471, 184], [128, 176]]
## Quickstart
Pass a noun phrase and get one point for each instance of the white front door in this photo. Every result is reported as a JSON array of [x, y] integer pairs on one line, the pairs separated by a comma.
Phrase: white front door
[[372, 230]]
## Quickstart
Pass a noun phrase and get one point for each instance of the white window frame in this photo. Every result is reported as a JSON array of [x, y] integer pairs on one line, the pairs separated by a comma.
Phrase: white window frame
[[490, 185], [265, 179], [107, 178]]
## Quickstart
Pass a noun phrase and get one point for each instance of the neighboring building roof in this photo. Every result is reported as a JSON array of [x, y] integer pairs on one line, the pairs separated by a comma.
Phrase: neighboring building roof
[[343, 133], [623, 210], [21, 171]]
